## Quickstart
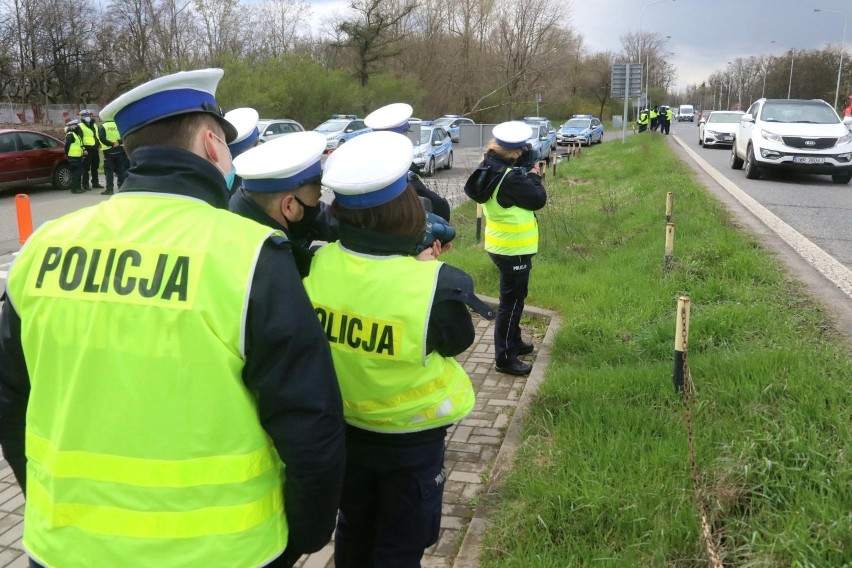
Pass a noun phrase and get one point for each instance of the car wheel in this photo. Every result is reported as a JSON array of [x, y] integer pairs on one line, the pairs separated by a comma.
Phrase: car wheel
[[62, 177], [751, 169], [600, 138], [431, 170], [841, 178], [449, 165], [736, 161], [340, 143]]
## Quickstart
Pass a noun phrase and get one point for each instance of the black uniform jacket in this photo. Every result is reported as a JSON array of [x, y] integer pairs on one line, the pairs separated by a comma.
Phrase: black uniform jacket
[[288, 361], [518, 189]]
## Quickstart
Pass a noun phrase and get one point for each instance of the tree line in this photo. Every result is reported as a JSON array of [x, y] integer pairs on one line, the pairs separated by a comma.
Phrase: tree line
[[487, 59]]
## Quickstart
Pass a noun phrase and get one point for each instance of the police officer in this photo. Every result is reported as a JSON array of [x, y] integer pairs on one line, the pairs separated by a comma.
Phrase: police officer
[[642, 121], [245, 122], [92, 144], [511, 236], [666, 115], [75, 152], [281, 189], [395, 118], [191, 366], [115, 160], [655, 118], [394, 322]]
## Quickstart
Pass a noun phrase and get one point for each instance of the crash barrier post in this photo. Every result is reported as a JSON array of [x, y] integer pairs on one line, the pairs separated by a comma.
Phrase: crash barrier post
[[667, 259], [554, 160], [669, 198], [478, 222], [683, 385], [25, 217]]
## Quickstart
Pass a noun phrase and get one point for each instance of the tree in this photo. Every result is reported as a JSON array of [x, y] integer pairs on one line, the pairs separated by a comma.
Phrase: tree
[[372, 34]]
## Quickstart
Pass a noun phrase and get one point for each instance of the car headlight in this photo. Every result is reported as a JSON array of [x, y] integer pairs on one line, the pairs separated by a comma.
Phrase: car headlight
[[712, 133], [844, 140], [771, 136]]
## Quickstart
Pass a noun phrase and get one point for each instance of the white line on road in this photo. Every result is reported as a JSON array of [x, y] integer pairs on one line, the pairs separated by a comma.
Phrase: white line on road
[[826, 264]]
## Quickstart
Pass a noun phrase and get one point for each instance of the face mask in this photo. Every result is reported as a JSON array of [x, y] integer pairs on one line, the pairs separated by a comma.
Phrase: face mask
[[229, 176], [302, 227], [87, 119]]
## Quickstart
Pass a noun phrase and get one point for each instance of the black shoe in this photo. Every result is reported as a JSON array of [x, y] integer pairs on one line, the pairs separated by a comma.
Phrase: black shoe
[[78, 190], [87, 188], [107, 192], [525, 348], [517, 368], [97, 186]]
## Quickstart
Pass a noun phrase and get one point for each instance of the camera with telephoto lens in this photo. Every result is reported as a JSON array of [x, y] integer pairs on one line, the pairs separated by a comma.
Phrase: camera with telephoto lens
[[528, 159], [437, 229]]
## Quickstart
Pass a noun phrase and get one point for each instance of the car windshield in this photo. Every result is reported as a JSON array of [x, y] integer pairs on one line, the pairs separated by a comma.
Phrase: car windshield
[[578, 123], [725, 117], [443, 121], [425, 135], [333, 125], [798, 112]]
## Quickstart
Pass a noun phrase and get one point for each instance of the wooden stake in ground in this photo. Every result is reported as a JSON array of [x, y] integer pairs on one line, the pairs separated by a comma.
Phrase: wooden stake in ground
[[669, 198], [681, 340], [667, 259]]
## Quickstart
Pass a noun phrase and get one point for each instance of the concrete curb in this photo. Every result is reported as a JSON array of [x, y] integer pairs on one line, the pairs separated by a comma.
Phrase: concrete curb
[[468, 555]]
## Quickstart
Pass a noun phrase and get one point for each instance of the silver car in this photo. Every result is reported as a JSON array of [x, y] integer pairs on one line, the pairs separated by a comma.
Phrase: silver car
[[270, 128]]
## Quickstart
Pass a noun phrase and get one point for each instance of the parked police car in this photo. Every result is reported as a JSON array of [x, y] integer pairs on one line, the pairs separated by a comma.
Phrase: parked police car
[[582, 128], [340, 128]]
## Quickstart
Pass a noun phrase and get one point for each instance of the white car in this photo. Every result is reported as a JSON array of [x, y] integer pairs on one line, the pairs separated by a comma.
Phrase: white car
[[793, 134], [719, 128]]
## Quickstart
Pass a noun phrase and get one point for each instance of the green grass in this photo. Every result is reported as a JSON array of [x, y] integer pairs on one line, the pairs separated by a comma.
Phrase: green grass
[[602, 477]]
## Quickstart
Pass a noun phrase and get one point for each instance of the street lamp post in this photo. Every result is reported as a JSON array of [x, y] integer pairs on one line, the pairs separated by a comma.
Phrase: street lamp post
[[842, 48], [641, 15], [792, 56]]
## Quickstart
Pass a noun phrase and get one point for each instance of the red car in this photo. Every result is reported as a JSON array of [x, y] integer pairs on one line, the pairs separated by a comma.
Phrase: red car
[[32, 158]]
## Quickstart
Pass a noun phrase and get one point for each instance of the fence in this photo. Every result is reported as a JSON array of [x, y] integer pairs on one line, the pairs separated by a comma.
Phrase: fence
[[15, 113]]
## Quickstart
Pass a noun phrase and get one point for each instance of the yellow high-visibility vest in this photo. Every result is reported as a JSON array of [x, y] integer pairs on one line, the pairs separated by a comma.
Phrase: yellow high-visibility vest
[[509, 231], [75, 150], [375, 312], [143, 443]]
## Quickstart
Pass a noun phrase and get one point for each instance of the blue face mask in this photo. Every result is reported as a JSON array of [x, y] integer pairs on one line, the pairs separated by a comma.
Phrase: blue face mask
[[229, 178]]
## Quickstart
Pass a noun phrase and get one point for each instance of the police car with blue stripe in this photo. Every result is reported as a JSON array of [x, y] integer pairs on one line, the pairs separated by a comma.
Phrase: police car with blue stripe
[[340, 128]]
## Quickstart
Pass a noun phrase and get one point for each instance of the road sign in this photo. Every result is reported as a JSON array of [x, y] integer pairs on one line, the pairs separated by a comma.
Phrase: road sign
[[620, 75]]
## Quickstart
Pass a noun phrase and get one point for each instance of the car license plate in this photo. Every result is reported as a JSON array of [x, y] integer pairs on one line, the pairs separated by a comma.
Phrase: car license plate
[[808, 160], [727, 137]]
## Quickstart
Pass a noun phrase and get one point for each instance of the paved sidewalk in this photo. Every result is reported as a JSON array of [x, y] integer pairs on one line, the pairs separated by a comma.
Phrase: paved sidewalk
[[478, 450]]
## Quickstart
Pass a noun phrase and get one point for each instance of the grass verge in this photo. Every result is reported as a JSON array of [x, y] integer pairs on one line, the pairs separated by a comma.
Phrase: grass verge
[[602, 477]]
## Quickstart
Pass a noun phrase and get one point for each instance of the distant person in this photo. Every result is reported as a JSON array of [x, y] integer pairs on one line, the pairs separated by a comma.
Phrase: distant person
[[115, 160], [75, 153], [163, 367], [643, 120], [92, 143], [666, 117], [655, 118], [848, 110], [395, 118]]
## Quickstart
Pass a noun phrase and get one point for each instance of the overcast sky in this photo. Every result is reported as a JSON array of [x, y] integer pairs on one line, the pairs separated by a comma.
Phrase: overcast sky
[[705, 34]]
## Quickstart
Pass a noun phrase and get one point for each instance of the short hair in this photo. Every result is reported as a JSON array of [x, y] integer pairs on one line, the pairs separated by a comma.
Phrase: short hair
[[176, 131], [508, 153], [402, 216], [268, 200]]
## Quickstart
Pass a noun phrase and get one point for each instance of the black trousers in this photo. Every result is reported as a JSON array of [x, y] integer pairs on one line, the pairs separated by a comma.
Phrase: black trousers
[[76, 166], [666, 126], [92, 162], [514, 284], [115, 165], [390, 510]]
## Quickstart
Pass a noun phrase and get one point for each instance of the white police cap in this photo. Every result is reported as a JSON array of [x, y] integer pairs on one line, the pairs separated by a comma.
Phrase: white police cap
[[172, 95], [393, 117], [512, 134], [282, 164], [245, 123], [369, 170]]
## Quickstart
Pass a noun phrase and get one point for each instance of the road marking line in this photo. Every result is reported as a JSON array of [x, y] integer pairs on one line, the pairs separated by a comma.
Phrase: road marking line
[[827, 265]]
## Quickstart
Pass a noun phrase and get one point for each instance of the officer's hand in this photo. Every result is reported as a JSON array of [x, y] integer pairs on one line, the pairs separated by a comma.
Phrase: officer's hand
[[430, 253], [535, 169]]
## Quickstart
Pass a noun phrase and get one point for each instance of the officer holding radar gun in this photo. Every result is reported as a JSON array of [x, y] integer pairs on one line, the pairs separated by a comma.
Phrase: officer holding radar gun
[[509, 196], [395, 318]]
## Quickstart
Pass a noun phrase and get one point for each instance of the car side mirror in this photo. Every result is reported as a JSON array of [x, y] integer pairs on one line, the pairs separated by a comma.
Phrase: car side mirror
[[436, 143], [348, 130], [847, 120], [747, 118]]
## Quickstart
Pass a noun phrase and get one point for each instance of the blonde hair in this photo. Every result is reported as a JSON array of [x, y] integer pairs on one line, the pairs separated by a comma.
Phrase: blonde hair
[[508, 153]]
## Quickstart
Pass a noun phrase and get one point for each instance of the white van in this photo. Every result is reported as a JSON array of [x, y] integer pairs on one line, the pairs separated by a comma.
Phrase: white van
[[686, 112]]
